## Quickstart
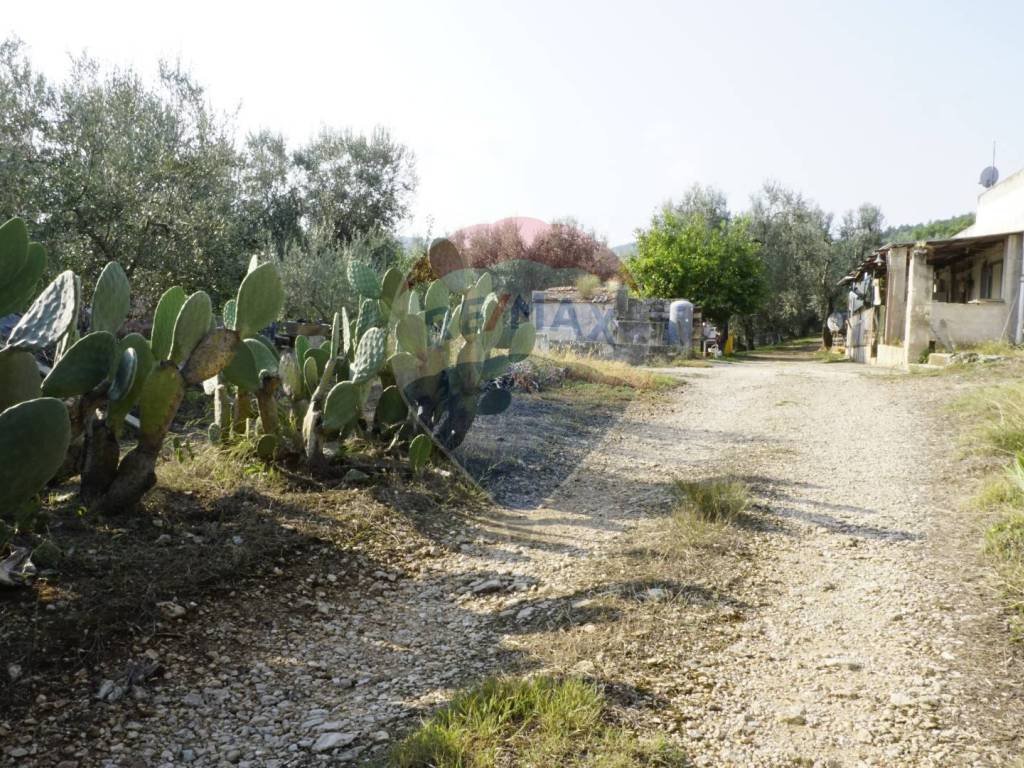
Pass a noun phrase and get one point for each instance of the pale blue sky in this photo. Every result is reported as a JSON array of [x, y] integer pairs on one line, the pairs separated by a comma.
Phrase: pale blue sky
[[602, 110]]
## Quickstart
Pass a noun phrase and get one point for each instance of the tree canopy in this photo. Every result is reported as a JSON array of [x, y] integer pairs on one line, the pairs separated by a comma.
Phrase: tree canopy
[[109, 166], [683, 254]]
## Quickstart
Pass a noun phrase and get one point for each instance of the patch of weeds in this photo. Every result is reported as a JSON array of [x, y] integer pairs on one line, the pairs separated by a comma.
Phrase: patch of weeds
[[829, 356], [542, 721], [680, 361], [705, 510], [1004, 541], [1002, 348], [612, 373], [998, 413]]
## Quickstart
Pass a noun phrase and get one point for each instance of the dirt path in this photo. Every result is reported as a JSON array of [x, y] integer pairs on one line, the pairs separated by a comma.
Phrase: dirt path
[[862, 631]]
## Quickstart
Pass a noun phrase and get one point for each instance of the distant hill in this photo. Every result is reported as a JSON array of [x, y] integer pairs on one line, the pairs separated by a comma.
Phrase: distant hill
[[938, 229], [625, 251]]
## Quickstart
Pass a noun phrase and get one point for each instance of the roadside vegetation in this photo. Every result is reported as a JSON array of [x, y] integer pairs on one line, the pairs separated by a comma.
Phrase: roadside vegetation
[[538, 721], [995, 415], [567, 369]]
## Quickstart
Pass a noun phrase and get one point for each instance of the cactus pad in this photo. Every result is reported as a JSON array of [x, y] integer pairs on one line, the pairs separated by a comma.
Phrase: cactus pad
[[522, 342], [228, 313], [391, 408], [119, 407], [435, 303], [158, 403], [260, 298], [19, 289], [392, 286], [342, 405], [266, 362], [266, 447], [419, 452], [50, 317], [412, 334], [124, 376], [370, 355], [241, 370], [111, 300], [369, 317], [85, 365], [191, 326], [19, 378], [34, 438], [291, 376], [494, 401], [210, 356], [310, 375], [363, 279], [301, 348], [167, 310], [13, 246]]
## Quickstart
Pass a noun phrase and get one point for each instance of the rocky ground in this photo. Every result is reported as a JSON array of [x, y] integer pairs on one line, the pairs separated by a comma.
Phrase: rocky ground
[[851, 621]]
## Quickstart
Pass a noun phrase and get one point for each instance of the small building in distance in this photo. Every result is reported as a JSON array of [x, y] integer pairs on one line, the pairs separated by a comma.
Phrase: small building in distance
[[910, 299]]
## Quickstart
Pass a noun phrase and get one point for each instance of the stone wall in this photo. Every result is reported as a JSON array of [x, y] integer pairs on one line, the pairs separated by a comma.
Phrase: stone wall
[[608, 324]]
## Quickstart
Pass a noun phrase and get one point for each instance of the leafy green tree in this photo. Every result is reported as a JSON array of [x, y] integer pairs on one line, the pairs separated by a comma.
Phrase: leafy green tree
[[705, 201], [354, 184], [682, 255], [144, 176], [795, 239], [26, 105], [108, 166], [271, 203]]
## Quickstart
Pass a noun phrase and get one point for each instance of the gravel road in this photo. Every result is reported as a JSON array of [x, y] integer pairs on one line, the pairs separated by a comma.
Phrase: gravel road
[[869, 631]]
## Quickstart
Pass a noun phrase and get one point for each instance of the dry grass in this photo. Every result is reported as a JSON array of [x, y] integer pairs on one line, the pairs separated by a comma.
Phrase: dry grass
[[1002, 348], [587, 285], [539, 721], [706, 510], [995, 416], [611, 373]]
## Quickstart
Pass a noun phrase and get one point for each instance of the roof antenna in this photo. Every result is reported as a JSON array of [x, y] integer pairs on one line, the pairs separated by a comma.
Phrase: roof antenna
[[989, 176]]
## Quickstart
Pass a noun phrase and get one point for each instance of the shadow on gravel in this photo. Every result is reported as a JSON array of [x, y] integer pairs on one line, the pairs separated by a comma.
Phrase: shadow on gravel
[[102, 581], [521, 456], [772, 495]]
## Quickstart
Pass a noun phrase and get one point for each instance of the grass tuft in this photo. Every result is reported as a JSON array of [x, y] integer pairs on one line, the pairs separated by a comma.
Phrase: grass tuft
[[705, 510], [507, 721]]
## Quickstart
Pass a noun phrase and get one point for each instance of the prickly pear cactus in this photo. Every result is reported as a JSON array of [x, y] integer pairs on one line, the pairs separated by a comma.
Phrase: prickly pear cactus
[[19, 378], [191, 325], [448, 358], [111, 300], [363, 279], [370, 355], [167, 310], [51, 316], [21, 283], [34, 438], [259, 301], [83, 366]]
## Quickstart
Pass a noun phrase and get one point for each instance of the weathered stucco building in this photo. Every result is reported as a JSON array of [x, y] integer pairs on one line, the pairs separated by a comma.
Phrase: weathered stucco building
[[910, 299]]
